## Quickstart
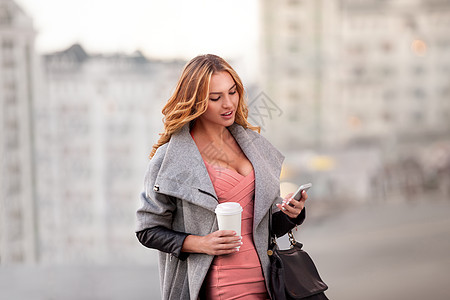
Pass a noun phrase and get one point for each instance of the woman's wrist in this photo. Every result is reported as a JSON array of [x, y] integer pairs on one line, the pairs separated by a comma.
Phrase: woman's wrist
[[192, 244]]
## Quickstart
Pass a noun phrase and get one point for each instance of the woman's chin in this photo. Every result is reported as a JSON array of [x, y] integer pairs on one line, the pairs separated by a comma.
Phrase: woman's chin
[[229, 122], [225, 123]]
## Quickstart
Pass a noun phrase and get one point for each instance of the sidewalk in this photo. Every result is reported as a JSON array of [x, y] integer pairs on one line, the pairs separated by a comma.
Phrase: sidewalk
[[373, 251], [79, 283]]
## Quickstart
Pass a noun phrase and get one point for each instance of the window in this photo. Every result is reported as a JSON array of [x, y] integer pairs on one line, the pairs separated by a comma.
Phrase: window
[[356, 49], [387, 71], [293, 2], [417, 116], [419, 93], [5, 16], [294, 26], [294, 46], [387, 116], [294, 96], [445, 92], [389, 95], [386, 47], [359, 71], [418, 70]]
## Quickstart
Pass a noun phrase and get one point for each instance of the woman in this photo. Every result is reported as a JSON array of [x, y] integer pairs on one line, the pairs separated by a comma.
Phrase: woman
[[209, 154]]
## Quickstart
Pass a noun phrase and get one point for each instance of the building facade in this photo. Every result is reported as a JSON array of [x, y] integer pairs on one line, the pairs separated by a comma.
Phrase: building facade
[[101, 116], [18, 230], [348, 72]]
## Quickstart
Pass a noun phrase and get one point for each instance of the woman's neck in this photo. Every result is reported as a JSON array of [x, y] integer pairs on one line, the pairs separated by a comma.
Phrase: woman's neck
[[210, 134]]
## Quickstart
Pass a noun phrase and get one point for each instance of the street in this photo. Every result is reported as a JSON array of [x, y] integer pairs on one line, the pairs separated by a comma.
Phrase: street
[[379, 251], [384, 251]]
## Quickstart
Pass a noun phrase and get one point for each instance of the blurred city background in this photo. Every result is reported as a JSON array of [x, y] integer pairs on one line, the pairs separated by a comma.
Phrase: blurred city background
[[355, 93]]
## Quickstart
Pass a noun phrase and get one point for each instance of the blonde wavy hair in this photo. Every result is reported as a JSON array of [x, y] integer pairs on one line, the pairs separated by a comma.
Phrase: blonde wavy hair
[[191, 95]]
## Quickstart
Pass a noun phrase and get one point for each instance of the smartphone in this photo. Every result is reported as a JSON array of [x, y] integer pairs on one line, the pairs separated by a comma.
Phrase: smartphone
[[304, 187]]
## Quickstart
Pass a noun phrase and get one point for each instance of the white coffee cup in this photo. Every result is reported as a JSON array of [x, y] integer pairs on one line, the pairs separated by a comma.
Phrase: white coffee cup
[[229, 216]]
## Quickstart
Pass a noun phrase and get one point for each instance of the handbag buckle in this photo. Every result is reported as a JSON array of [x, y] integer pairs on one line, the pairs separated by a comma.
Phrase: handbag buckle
[[273, 243], [292, 239]]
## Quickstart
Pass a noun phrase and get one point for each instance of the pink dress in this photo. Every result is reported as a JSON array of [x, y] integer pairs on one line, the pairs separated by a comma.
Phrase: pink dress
[[238, 275]]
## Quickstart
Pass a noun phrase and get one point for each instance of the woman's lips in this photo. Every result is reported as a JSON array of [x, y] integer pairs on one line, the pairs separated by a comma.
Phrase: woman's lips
[[227, 115]]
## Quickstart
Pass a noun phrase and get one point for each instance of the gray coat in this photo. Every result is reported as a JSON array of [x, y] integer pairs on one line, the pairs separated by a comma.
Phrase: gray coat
[[179, 195]]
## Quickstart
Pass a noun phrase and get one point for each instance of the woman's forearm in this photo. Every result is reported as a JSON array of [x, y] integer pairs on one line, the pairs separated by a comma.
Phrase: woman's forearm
[[192, 244], [219, 242]]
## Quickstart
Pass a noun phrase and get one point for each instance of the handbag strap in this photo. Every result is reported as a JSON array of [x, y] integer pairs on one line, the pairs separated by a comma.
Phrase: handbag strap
[[273, 238]]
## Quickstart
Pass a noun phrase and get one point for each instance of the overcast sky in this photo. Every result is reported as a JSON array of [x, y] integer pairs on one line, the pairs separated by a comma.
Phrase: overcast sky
[[169, 28]]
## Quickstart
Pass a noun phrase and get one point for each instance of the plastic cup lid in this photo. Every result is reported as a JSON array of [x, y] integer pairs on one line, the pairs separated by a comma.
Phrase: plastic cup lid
[[228, 208]]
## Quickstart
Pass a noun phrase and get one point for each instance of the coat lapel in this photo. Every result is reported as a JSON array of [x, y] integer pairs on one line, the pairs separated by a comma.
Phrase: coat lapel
[[267, 162], [183, 173]]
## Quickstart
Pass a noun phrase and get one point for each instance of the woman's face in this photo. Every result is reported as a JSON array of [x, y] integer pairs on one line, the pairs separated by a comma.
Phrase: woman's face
[[223, 100]]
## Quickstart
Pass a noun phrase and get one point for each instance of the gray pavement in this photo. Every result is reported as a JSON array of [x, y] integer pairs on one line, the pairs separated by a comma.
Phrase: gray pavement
[[380, 251], [79, 282], [384, 251]]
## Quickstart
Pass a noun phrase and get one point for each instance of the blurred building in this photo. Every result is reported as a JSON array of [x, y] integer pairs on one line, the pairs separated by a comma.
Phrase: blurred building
[[18, 232], [97, 124], [351, 72], [290, 69]]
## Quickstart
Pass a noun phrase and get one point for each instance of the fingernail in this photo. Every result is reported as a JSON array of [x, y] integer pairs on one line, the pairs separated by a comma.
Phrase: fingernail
[[283, 208], [237, 249]]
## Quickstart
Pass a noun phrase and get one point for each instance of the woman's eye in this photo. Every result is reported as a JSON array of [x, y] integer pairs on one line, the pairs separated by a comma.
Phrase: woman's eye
[[233, 92], [214, 99]]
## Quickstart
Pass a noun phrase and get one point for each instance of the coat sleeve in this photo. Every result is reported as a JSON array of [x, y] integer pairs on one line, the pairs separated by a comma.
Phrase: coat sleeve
[[155, 215], [282, 223], [156, 209], [163, 239]]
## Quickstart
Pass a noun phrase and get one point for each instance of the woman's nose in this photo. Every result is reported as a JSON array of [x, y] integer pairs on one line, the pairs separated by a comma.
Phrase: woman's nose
[[226, 101]]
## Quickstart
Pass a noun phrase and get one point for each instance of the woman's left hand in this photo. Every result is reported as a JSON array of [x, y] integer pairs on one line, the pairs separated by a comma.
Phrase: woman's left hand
[[292, 207]]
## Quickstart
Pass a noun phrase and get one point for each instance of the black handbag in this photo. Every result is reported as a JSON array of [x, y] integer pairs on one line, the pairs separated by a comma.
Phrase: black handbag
[[293, 274]]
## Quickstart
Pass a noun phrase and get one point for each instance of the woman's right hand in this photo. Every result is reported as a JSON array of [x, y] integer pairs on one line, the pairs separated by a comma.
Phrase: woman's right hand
[[219, 242]]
